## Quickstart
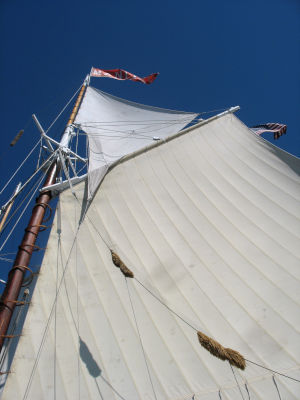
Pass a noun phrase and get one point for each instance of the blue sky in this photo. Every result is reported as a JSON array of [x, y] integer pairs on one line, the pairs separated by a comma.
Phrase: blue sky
[[210, 55]]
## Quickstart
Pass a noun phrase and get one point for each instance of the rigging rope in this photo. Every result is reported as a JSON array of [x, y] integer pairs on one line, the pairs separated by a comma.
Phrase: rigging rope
[[58, 253], [77, 302], [19, 206], [272, 370], [273, 377], [29, 179], [248, 393], [23, 211], [21, 165], [140, 338], [238, 385], [49, 319], [55, 119]]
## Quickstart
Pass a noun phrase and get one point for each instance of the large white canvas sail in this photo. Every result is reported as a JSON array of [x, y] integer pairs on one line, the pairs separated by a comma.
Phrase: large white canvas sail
[[209, 225], [117, 127]]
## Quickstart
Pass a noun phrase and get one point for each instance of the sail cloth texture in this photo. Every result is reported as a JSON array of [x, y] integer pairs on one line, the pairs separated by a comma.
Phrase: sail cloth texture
[[117, 127], [209, 223]]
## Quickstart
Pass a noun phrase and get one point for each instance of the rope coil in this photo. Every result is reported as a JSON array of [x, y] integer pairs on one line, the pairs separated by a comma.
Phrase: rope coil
[[11, 336], [16, 302], [28, 279], [217, 350], [119, 263], [45, 206], [41, 227], [35, 247]]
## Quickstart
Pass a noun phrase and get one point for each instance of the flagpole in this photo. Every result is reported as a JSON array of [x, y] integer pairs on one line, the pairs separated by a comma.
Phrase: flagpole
[[9, 298]]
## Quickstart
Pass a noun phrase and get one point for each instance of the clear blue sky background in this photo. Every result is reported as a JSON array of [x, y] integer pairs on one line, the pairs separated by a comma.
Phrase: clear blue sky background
[[210, 55]]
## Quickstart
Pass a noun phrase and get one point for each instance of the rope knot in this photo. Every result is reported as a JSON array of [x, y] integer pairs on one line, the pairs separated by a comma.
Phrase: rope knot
[[217, 350], [119, 263]]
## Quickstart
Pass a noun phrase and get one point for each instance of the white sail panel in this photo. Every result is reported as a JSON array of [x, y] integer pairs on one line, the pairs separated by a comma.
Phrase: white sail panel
[[209, 225], [118, 127]]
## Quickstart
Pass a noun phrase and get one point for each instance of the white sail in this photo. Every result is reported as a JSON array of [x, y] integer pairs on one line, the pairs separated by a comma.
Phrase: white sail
[[209, 225], [118, 127]]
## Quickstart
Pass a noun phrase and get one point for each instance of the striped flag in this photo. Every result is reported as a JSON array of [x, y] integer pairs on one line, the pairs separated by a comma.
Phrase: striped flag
[[277, 129], [122, 75]]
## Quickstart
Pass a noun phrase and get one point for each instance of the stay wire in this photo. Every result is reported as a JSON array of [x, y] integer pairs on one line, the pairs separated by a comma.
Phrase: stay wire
[[40, 140], [31, 177], [248, 393], [23, 211], [64, 108], [272, 370], [275, 383], [236, 381], [165, 305], [77, 302], [140, 338], [6, 259], [55, 312], [20, 166], [18, 205], [49, 319]]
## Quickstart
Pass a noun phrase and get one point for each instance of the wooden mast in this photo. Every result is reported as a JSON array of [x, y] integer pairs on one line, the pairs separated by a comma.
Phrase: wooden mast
[[9, 298]]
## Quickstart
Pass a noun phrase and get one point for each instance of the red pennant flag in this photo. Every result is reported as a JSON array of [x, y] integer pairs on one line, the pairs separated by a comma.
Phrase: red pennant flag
[[121, 75]]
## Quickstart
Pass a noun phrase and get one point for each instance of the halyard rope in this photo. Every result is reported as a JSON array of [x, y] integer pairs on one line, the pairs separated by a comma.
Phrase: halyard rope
[[55, 119], [140, 338], [21, 165], [24, 209], [49, 318]]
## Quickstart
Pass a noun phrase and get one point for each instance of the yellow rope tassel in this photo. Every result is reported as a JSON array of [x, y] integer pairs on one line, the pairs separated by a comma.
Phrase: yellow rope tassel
[[119, 263], [216, 349]]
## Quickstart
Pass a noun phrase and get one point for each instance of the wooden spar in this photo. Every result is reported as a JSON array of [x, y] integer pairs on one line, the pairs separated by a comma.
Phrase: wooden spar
[[9, 298], [7, 211]]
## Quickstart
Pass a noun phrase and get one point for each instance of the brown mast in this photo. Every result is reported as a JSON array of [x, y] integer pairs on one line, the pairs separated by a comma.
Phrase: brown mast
[[9, 298]]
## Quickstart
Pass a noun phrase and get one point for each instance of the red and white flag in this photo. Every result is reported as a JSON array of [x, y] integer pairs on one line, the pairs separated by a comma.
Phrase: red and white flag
[[121, 75], [277, 129]]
